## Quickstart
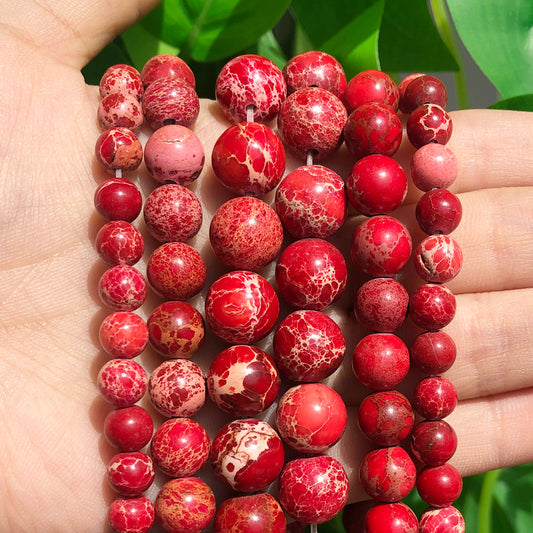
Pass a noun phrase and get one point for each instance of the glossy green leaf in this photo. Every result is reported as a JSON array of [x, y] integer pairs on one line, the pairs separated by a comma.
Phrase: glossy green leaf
[[523, 102], [268, 46]]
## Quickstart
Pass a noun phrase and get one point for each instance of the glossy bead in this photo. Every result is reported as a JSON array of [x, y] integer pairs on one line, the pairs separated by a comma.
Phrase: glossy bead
[[438, 259], [433, 166], [377, 185], [308, 346], [177, 388], [122, 288], [131, 515], [243, 380], [391, 518], [249, 158], [120, 110], [439, 486], [442, 520], [311, 202], [241, 307], [387, 474], [381, 304], [130, 473], [371, 86], [433, 352], [373, 129], [118, 148], [250, 80], [380, 361], [119, 243], [247, 454], [429, 123], [311, 274], [246, 233], [435, 398], [438, 211], [386, 417], [311, 417], [381, 246], [176, 271], [172, 213], [432, 306], [128, 429], [118, 199], [312, 120], [164, 66], [405, 82], [433, 442], [180, 447], [424, 89], [123, 334], [314, 489], [122, 382], [185, 505], [121, 78]]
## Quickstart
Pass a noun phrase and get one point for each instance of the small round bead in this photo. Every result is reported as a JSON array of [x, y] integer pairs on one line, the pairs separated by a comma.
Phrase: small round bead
[[433, 166], [123, 334], [118, 199], [119, 243], [118, 149], [433, 442], [432, 306], [438, 211], [130, 473], [442, 520], [131, 515], [128, 429], [435, 398], [391, 518], [405, 82], [120, 110], [371, 86], [164, 66], [121, 79], [433, 352], [438, 259], [122, 382], [439, 486], [122, 288], [423, 90], [429, 123]]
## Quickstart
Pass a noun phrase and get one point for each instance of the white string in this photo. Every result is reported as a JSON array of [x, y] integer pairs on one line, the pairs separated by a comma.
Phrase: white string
[[310, 162], [314, 528], [118, 173], [250, 110]]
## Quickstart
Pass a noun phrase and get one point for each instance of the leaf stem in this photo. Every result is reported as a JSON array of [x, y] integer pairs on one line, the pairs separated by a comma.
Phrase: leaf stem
[[485, 501]]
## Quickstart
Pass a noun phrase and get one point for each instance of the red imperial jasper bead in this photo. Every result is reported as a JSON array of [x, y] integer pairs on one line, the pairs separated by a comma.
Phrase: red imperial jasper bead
[[313, 490], [118, 199], [247, 454], [438, 259], [118, 149], [439, 486], [433, 352], [128, 429], [131, 515], [371, 86], [405, 82], [391, 518], [432, 306], [121, 79], [442, 520], [250, 80], [123, 334], [122, 382], [249, 158], [433, 442], [120, 110], [311, 274], [164, 66], [429, 123], [243, 380], [433, 166], [122, 288], [246, 233], [130, 473], [435, 398], [438, 211], [119, 243], [423, 90]]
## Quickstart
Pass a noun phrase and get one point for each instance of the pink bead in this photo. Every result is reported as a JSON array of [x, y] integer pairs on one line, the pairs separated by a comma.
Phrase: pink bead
[[433, 352], [433, 442], [438, 211], [128, 429], [391, 518], [439, 486], [123, 334], [120, 110], [119, 243], [131, 515], [241, 307], [371, 86], [118, 199], [405, 82], [311, 202], [429, 123], [311, 274], [121, 79], [435, 398], [424, 90], [130, 473], [118, 148], [438, 259], [122, 382], [243, 380], [173, 213], [433, 166], [247, 454], [164, 66], [122, 288], [314, 489], [250, 80], [174, 153], [432, 306], [442, 520], [177, 388], [312, 120]]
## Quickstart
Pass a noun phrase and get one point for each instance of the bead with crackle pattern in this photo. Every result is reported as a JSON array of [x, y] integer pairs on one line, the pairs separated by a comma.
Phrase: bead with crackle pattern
[[130, 473], [119, 243], [129, 429], [391, 518], [121, 78], [131, 515], [118, 149], [120, 110], [370, 86], [122, 288], [442, 520], [435, 397], [118, 199], [123, 334], [122, 382], [438, 259], [429, 123], [432, 306]]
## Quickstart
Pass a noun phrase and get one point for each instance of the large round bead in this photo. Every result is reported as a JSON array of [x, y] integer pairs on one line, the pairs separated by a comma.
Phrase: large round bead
[[371, 86], [391, 518], [164, 66], [131, 515]]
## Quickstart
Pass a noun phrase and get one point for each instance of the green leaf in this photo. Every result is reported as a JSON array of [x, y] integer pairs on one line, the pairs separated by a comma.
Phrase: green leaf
[[497, 34], [268, 46], [523, 102], [332, 526]]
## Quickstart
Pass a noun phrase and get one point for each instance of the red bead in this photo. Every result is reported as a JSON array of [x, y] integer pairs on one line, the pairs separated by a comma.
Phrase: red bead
[[391, 518], [246, 233], [429, 123], [119, 243], [438, 211], [250, 80], [122, 288], [386, 417], [387, 474], [176, 329], [373, 129], [121, 79], [433, 352], [313, 490], [371, 86], [130, 473], [177, 388], [120, 110], [241, 307], [122, 382], [128, 429], [438, 259], [247, 454], [381, 246], [442, 520], [172, 213], [439, 486], [311, 202], [118, 199], [377, 185], [123, 334], [405, 82], [432, 306], [308, 346], [185, 505], [312, 120], [166, 65], [249, 158], [433, 166], [311, 274], [423, 90], [380, 361], [381, 304], [435, 398], [433, 442], [180, 447], [176, 271], [243, 380], [131, 515], [118, 149]]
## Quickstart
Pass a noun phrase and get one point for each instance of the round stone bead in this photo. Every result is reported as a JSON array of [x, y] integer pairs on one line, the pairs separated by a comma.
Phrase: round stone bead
[[311, 202], [123, 79], [176, 271], [122, 288], [119, 243], [122, 382], [174, 154], [433, 352], [433, 442], [130, 473], [433, 166], [185, 505], [438, 211], [439, 486], [311, 274], [164, 66], [180, 447], [432, 306], [123, 334], [241, 307], [387, 474], [313, 490], [118, 199], [250, 80], [247, 454], [246, 233], [435, 398], [438, 259], [243, 380], [372, 128], [131, 515], [371, 86], [311, 417], [442, 520], [381, 304], [176, 329], [391, 518], [405, 82], [177, 388], [381, 246], [249, 158], [429, 123], [120, 110], [308, 346], [312, 120], [118, 149], [424, 89], [172, 213], [128, 429], [380, 361]]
